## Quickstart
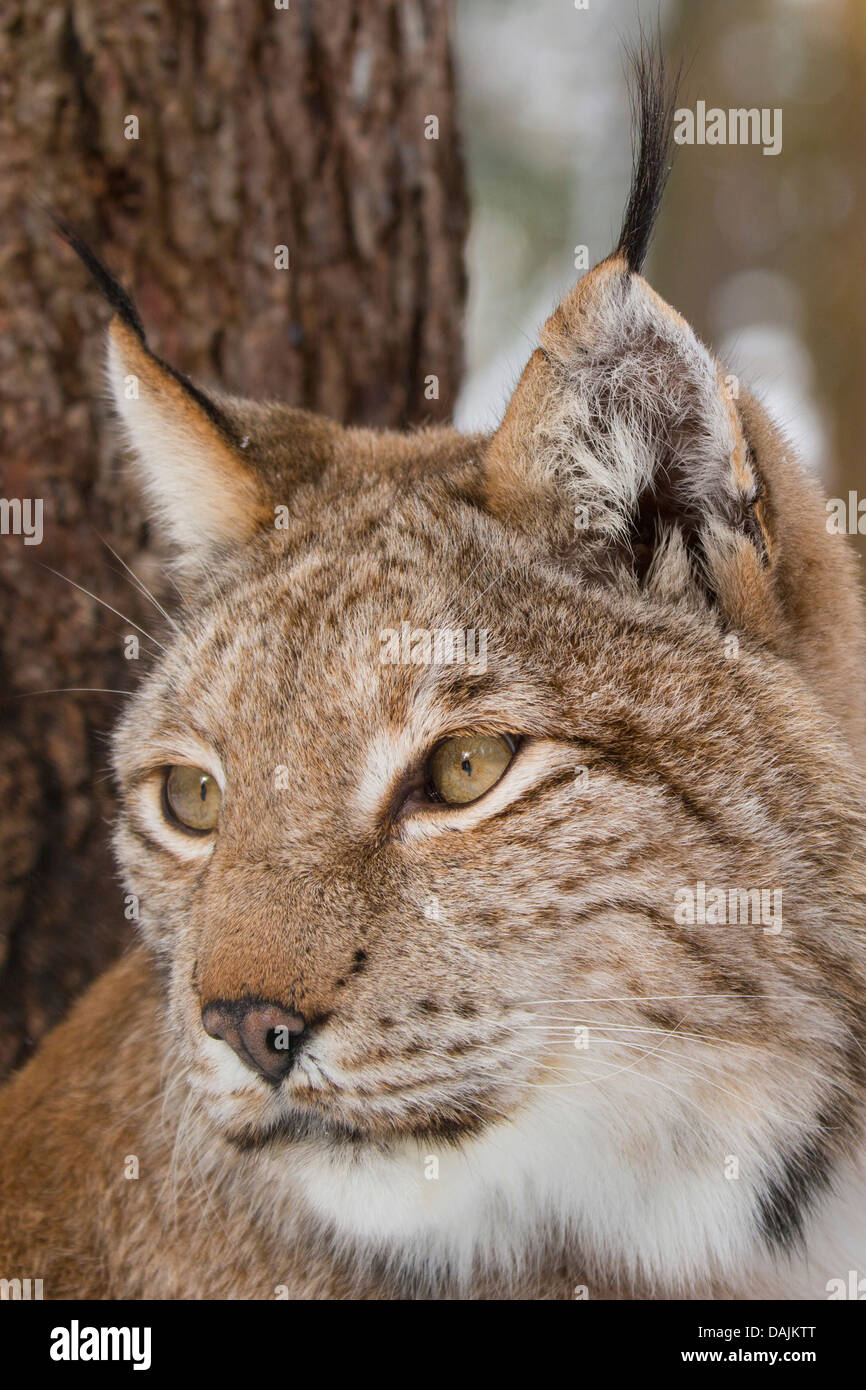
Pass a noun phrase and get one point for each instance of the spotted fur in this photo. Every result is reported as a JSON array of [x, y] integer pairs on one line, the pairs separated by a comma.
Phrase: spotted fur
[[524, 1075]]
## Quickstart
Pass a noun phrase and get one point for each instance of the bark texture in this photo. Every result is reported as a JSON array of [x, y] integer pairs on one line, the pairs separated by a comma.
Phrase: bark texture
[[257, 127]]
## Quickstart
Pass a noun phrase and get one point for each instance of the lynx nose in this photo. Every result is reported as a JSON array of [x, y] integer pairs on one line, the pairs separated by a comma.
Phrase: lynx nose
[[264, 1035]]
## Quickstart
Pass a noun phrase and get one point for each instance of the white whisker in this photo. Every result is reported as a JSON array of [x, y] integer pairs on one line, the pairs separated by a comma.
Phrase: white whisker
[[116, 611], [141, 584]]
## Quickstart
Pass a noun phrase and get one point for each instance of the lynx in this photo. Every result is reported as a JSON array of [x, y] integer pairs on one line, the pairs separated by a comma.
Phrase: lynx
[[412, 1012]]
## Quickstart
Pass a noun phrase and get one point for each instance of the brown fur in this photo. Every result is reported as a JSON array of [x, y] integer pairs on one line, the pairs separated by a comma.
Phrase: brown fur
[[653, 756]]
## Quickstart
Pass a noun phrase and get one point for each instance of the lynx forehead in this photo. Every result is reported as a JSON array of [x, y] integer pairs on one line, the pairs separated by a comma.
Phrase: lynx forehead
[[428, 989]]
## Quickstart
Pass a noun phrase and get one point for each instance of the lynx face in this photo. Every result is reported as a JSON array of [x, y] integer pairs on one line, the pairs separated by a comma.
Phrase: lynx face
[[463, 953]]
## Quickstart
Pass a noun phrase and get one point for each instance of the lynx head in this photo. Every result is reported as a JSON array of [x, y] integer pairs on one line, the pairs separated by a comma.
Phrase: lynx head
[[492, 808]]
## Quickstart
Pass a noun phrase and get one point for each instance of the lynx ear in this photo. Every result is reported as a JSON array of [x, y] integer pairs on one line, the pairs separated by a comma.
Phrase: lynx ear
[[205, 492], [191, 462], [622, 413], [622, 421]]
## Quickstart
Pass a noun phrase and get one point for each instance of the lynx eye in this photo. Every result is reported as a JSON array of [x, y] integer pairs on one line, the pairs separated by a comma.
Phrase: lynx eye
[[462, 769], [192, 798]]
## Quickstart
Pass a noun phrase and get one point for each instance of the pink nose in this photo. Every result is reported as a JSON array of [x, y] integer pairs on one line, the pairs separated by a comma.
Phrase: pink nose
[[264, 1035]]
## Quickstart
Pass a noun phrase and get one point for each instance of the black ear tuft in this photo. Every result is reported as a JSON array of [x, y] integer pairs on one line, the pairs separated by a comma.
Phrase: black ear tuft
[[117, 296], [654, 99], [122, 304]]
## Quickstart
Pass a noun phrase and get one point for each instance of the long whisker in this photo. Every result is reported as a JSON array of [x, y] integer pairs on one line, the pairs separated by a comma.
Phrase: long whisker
[[720, 1044], [556, 1093], [73, 690], [637, 998], [654, 1051], [97, 599], [516, 1053], [681, 1095], [669, 1057], [141, 584], [680, 1065]]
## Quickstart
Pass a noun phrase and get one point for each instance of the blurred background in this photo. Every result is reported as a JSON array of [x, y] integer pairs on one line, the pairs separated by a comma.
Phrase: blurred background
[[764, 255]]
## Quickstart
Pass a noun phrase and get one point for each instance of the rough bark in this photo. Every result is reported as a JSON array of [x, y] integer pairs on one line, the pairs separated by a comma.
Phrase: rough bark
[[258, 127]]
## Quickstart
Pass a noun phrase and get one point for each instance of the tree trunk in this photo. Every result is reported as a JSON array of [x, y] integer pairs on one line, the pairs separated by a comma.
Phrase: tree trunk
[[257, 128]]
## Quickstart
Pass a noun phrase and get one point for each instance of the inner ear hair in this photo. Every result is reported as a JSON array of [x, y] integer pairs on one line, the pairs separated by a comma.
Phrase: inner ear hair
[[203, 485]]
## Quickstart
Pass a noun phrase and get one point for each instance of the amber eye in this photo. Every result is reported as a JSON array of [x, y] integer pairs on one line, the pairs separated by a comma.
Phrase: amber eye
[[192, 798], [462, 769]]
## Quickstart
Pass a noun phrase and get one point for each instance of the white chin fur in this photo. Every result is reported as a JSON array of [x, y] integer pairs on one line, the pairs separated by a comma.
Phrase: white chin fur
[[642, 1194], [683, 1234], [564, 1165]]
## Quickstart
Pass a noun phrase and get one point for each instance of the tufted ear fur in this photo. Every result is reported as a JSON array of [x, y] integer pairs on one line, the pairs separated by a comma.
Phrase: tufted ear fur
[[212, 467], [624, 415], [622, 422], [201, 490], [625, 450]]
